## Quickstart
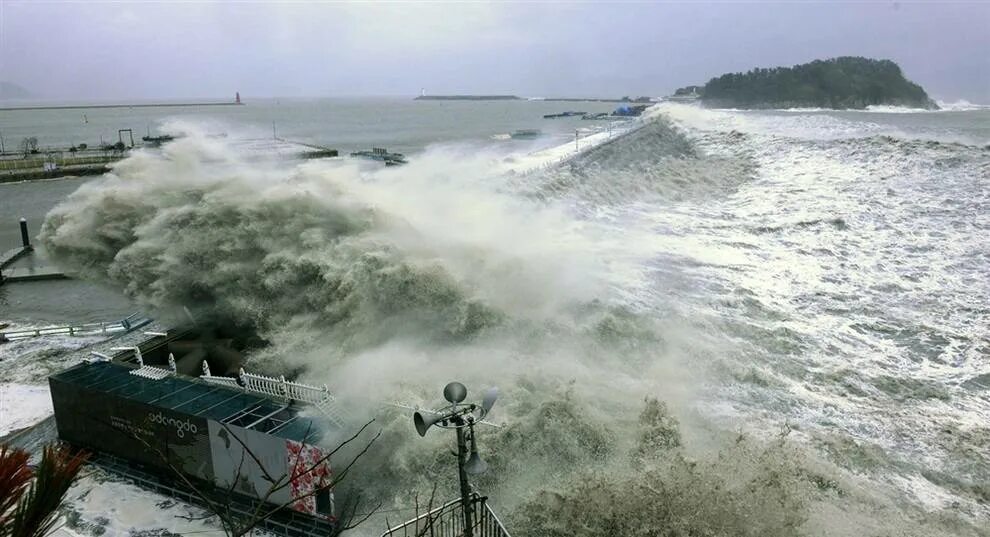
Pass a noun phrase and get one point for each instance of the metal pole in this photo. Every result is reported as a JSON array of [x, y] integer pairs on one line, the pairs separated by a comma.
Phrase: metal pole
[[25, 238], [462, 454]]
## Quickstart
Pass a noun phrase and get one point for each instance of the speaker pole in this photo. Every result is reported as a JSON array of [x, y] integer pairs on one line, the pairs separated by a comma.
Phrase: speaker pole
[[460, 416], [462, 454]]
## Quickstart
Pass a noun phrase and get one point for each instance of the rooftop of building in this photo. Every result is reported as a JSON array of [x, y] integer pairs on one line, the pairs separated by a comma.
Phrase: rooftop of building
[[194, 397]]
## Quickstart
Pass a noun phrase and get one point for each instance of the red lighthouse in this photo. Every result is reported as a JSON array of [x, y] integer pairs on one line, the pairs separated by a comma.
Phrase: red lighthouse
[[237, 98]]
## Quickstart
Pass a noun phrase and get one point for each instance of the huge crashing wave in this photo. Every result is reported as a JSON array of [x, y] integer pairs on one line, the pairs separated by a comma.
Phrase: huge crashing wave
[[385, 284]]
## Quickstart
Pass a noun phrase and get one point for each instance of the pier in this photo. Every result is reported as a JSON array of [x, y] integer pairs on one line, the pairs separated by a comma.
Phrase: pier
[[77, 160], [25, 274], [50, 171]]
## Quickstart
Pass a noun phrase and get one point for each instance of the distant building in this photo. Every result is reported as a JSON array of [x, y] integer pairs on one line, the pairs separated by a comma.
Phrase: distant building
[[686, 94]]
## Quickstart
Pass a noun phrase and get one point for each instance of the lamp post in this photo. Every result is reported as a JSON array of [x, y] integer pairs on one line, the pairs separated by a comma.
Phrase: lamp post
[[461, 417]]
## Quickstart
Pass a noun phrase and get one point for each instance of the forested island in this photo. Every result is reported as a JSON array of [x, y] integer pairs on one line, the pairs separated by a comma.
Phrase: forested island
[[841, 83]]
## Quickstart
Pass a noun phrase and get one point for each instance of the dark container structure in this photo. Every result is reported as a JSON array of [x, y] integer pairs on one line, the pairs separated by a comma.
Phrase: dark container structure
[[152, 428]]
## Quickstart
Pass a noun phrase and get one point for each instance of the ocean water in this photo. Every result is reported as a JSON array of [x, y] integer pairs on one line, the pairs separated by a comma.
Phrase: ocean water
[[348, 124], [721, 322]]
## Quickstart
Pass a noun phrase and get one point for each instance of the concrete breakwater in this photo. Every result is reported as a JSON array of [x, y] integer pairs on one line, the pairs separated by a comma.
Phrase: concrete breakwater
[[92, 106], [56, 164], [51, 163]]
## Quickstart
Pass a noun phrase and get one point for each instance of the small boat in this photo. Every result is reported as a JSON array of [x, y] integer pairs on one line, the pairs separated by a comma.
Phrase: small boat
[[525, 134]]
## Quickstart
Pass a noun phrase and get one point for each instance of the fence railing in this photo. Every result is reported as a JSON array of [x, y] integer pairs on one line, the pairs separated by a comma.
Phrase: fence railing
[[229, 382], [279, 388], [152, 372], [448, 521]]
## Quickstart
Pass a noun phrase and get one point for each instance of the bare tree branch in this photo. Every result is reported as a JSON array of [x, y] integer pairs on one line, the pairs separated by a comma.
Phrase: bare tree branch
[[333, 483], [238, 526], [202, 496], [264, 471]]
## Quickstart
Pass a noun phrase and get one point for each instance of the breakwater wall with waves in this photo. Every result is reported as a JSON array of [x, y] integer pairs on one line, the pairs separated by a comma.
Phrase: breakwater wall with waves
[[56, 164]]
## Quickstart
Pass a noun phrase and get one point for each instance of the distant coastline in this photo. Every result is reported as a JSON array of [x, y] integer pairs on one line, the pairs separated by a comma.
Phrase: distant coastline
[[468, 98], [517, 98], [640, 100], [92, 106]]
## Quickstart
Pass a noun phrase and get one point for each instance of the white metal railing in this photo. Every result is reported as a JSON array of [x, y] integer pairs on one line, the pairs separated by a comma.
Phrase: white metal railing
[[282, 389], [83, 329], [152, 372], [230, 382]]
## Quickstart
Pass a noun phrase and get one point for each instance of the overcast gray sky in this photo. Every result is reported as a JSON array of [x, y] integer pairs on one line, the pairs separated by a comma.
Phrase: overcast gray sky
[[126, 50]]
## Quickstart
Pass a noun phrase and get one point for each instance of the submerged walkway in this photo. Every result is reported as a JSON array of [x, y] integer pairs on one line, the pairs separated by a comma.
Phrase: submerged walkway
[[31, 274], [25, 274], [12, 255]]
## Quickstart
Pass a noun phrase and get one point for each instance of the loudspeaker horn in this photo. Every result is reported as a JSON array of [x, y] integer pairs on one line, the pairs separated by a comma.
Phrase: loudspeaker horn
[[475, 465], [489, 400], [423, 423]]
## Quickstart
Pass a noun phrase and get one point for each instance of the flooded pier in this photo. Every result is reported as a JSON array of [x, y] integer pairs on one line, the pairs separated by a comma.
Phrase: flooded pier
[[9, 274]]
